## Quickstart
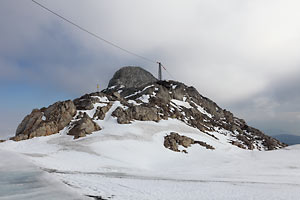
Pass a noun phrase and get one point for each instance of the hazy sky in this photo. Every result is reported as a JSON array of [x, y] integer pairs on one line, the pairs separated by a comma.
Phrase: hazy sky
[[244, 55]]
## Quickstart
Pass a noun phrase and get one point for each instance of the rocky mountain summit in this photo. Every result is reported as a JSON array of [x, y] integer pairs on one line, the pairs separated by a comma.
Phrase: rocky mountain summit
[[134, 94]]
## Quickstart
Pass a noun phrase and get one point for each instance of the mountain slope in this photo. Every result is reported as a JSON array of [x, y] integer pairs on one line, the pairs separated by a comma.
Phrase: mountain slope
[[142, 98], [129, 161], [158, 140]]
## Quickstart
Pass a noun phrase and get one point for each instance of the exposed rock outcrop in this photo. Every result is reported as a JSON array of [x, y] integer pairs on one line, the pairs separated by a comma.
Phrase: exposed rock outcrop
[[171, 99], [173, 140], [131, 77], [86, 102], [135, 94], [83, 126], [101, 111], [142, 113], [46, 121]]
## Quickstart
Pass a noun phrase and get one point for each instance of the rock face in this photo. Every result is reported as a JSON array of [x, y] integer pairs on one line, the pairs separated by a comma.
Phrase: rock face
[[142, 113], [83, 126], [46, 121], [131, 77], [173, 140]]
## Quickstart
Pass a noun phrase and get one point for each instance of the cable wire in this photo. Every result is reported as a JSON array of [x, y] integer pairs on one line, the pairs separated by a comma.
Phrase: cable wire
[[99, 37], [168, 72], [93, 34]]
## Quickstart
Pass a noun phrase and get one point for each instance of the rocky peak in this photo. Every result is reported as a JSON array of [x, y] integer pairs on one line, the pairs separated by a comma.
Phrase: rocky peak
[[135, 95], [131, 77]]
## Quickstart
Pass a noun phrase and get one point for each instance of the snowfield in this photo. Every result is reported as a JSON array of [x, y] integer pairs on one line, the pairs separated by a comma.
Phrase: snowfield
[[19, 179], [129, 162]]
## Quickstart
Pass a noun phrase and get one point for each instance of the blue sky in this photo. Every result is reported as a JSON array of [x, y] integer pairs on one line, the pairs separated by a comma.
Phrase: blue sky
[[244, 55]]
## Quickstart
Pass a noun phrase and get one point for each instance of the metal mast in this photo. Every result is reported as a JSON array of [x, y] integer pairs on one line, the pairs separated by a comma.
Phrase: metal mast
[[159, 71]]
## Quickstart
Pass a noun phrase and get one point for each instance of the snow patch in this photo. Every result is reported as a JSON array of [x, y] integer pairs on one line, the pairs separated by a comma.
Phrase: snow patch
[[181, 103], [201, 109], [144, 98]]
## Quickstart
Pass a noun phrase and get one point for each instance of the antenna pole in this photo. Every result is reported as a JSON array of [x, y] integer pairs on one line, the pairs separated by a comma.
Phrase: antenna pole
[[159, 71]]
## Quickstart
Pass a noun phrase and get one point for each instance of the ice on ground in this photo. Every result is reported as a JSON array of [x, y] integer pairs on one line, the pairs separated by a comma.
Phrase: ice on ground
[[20, 179]]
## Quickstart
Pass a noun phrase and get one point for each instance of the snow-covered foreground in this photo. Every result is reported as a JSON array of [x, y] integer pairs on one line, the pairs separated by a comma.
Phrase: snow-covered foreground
[[130, 162], [19, 179]]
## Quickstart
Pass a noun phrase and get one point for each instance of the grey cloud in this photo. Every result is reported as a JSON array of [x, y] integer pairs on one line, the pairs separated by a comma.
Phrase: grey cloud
[[276, 109]]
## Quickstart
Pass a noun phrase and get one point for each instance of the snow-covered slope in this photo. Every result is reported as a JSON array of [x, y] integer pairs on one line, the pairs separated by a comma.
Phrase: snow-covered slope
[[152, 101], [159, 140], [130, 162]]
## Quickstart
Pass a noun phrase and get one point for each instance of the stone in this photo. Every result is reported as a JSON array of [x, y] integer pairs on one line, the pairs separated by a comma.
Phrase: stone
[[30, 122], [46, 121], [84, 103], [173, 140], [19, 137], [238, 144], [139, 112], [122, 115], [170, 143], [101, 111], [144, 113], [131, 77], [117, 95], [83, 127], [61, 113], [207, 146], [186, 141]]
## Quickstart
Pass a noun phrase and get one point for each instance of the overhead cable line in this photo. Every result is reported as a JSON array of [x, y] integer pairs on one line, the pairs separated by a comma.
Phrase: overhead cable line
[[100, 38], [93, 34], [168, 72]]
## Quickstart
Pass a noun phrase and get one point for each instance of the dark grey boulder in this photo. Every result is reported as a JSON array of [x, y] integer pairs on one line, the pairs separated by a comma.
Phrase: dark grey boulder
[[131, 77]]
